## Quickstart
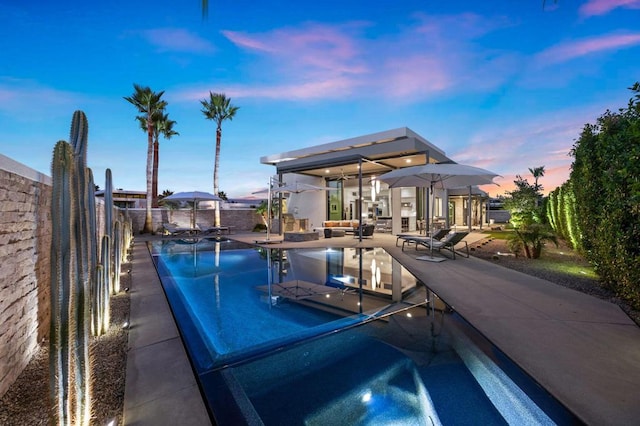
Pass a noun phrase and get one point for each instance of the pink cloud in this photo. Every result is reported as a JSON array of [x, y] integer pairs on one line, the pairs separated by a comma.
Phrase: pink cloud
[[602, 7], [570, 50], [312, 48], [415, 77], [177, 40], [429, 55], [334, 88], [246, 41], [511, 150]]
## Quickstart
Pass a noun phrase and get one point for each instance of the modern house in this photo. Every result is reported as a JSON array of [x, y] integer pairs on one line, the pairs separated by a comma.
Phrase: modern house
[[350, 169]]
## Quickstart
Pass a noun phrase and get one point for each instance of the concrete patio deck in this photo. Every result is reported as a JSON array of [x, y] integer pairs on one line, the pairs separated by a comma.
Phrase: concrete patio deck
[[583, 350]]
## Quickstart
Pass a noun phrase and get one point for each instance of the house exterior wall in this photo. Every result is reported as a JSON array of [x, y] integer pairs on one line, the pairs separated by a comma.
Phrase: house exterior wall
[[25, 241]]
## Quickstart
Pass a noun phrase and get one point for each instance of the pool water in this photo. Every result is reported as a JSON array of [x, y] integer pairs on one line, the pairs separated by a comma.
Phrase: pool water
[[335, 336]]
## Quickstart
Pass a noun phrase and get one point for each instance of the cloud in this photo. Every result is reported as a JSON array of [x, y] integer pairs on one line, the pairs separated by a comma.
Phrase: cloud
[[602, 7], [177, 40], [543, 140], [570, 50], [26, 99], [428, 55]]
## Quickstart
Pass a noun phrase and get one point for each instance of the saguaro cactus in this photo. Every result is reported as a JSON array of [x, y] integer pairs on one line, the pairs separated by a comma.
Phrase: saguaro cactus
[[103, 282], [117, 255], [62, 246], [71, 271], [108, 227], [80, 297]]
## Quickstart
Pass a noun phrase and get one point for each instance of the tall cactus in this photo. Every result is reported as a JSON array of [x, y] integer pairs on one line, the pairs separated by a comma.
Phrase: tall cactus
[[73, 255], [117, 256], [62, 247], [96, 308], [103, 282], [80, 300], [108, 226]]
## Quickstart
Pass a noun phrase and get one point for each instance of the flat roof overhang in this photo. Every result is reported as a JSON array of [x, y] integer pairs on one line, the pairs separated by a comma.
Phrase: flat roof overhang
[[379, 152]]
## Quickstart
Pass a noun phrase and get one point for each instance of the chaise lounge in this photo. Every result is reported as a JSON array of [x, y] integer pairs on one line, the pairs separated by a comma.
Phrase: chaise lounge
[[208, 230], [448, 243], [173, 229], [411, 238]]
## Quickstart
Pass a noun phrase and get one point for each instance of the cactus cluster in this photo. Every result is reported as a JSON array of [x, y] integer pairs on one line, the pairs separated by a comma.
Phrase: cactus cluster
[[80, 285]]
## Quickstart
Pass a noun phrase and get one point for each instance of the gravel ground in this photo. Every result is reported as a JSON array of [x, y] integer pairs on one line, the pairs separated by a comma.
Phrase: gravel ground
[[27, 400], [27, 403], [581, 277]]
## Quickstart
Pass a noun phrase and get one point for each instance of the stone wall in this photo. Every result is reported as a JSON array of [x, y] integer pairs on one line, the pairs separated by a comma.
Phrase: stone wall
[[25, 240]]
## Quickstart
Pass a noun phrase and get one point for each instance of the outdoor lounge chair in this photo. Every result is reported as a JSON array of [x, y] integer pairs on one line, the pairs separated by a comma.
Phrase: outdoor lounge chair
[[448, 243], [409, 238], [173, 229], [208, 230]]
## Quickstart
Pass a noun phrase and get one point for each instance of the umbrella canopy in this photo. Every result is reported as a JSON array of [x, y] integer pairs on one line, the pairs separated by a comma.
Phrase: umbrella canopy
[[296, 188], [194, 197], [445, 176]]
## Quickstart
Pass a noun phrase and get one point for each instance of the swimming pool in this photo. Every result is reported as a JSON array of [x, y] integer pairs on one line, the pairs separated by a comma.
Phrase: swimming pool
[[335, 336]]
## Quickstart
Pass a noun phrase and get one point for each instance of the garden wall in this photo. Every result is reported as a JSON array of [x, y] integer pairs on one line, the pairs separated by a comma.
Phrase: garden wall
[[25, 240], [242, 220], [25, 271]]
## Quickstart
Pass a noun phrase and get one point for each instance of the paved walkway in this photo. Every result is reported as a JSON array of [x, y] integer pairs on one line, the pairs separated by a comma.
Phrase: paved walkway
[[585, 351]]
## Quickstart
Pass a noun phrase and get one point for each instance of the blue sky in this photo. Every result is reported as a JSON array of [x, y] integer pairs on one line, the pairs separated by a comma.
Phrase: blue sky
[[500, 84]]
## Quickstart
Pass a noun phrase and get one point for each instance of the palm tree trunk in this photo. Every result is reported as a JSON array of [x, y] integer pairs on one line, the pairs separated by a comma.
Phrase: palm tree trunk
[[148, 221], [154, 184], [215, 174]]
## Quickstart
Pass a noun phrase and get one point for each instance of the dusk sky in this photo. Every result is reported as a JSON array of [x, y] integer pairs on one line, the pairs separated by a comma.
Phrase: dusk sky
[[503, 85]]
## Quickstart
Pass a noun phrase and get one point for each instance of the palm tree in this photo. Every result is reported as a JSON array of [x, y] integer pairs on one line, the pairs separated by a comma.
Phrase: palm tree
[[161, 126], [148, 103], [218, 108], [537, 173]]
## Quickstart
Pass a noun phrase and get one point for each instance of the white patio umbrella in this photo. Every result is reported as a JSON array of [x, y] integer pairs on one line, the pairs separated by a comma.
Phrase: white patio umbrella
[[194, 197], [443, 175]]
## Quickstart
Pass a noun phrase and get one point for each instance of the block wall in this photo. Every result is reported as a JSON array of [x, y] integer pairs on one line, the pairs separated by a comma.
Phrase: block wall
[[243, 220], [25, 240]]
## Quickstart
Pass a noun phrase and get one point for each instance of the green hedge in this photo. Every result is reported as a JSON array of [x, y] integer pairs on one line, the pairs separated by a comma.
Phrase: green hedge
[[604, 192]]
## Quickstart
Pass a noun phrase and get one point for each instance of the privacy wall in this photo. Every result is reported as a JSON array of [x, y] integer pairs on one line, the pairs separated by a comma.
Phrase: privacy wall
[[25, 240]]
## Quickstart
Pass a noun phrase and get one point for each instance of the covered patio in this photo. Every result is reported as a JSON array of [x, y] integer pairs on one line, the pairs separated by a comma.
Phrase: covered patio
[[351, 167]]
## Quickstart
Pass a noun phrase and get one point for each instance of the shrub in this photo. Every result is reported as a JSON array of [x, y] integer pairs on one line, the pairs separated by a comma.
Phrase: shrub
[[605, 177]]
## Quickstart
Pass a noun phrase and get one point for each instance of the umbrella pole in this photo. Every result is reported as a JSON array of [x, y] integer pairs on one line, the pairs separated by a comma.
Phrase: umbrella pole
[[433, 201], [430, 257]]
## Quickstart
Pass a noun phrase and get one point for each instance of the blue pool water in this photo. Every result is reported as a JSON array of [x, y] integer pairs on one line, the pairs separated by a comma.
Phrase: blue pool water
[[335, 336]]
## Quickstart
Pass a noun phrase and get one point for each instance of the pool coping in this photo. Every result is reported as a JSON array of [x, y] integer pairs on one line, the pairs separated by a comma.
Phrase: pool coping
[[564, 339]]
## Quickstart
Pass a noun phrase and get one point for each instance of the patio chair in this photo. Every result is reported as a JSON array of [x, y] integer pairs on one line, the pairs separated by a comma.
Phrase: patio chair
[[409, 238], [208, 230], [448, 243], [367, 231], [173, 229]]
